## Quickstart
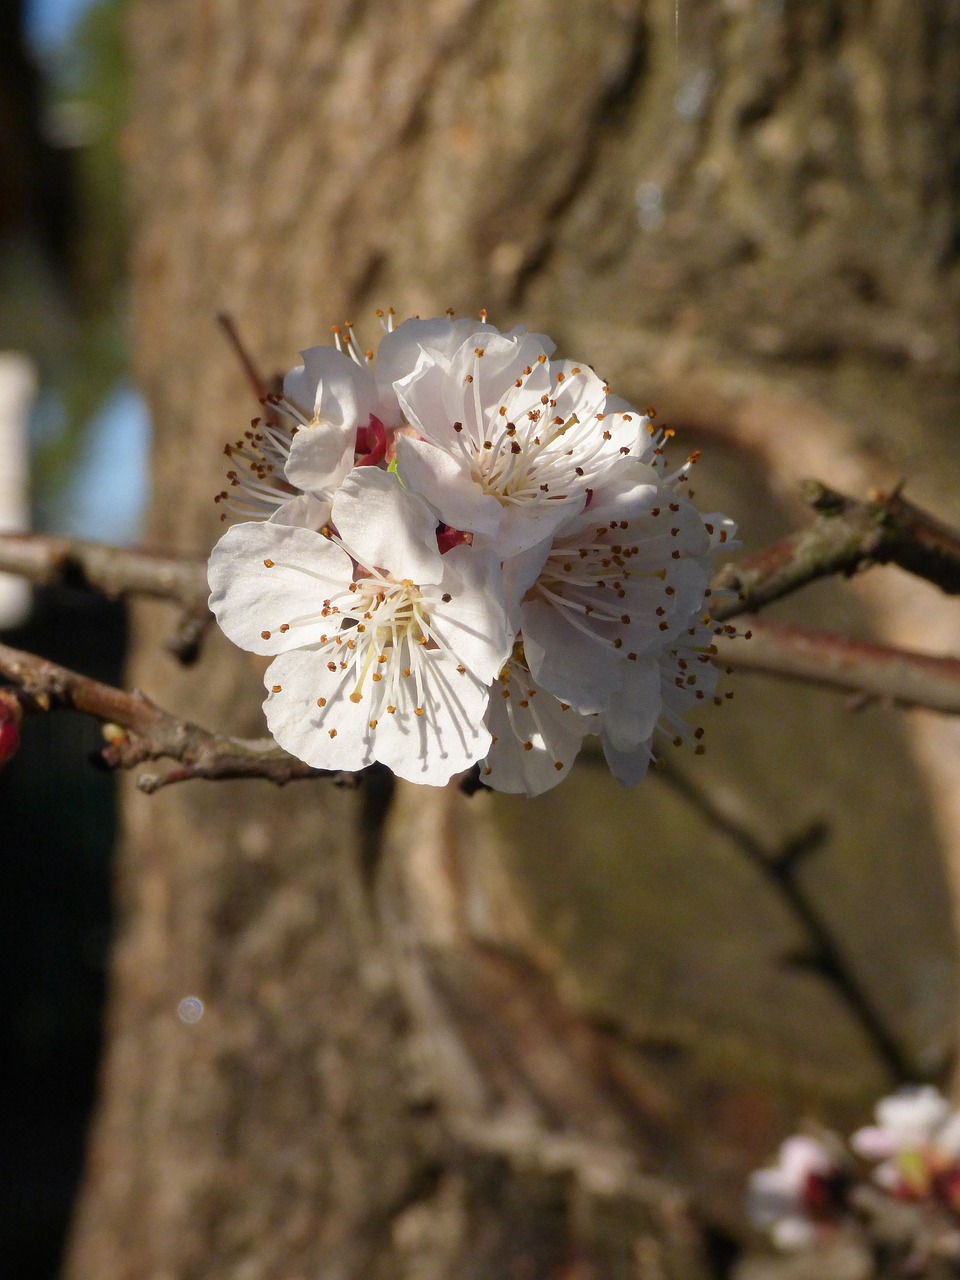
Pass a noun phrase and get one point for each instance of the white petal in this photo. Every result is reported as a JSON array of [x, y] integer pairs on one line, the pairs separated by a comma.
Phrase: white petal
[[311, 713], [800, 1156], [384, 526], [873, 1143], [575, 665], [320, 456], [525, 525], [770, 1195], [444, 480], [250, 597], [536, 738], [305, 511], [331, 388], [628, 766], [448, 738], [401, 351], [467, 613], [520, 573], [336, 735], [794, 1232], [948, 1138], [633, 711]]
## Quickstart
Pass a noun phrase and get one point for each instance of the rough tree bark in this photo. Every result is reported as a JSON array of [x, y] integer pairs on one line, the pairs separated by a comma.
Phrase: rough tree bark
[[387, 1080]]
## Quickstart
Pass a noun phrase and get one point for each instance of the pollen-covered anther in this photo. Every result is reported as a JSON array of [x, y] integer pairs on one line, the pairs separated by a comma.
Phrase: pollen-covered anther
[[277, 688]]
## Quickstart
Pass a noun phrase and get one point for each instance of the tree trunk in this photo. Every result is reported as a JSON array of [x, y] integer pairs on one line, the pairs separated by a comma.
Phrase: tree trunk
[[745, 212]]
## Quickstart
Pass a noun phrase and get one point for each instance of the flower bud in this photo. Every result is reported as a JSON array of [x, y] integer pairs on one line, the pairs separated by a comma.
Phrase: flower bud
[[10, 717]]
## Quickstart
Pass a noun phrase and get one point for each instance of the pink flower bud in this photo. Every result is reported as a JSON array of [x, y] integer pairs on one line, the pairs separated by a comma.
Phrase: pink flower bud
[[10, 714]]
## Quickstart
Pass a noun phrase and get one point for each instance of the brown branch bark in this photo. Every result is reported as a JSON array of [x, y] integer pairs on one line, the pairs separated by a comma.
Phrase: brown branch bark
[[897, 676], [112, 571], [145, 731], [848, 536], [117, 572]]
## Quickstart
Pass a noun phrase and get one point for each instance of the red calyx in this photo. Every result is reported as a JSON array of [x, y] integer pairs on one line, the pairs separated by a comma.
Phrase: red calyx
[[371, 443], [448, 537]]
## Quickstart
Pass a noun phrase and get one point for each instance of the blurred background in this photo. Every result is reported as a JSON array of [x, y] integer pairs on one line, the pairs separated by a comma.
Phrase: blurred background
[[74, 440], [657, 917]]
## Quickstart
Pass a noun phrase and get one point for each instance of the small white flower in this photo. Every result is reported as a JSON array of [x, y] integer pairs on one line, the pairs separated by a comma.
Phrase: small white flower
[[336, 409], [509, 442], [791, 1197], [910, 1119], [386, 649]]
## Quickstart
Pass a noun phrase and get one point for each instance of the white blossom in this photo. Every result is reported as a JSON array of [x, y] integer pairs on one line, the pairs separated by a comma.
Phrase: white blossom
[[531, 573], [789, 1198], [912, 1118], [385, 649], [507, 442]]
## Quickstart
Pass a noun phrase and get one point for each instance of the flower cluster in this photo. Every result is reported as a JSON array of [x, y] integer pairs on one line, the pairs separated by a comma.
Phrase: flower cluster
[[465, 551], [910, 1156]]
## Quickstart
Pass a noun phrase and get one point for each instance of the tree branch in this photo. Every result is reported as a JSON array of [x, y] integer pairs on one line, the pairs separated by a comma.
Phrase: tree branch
[[847, 536], [112, 571], [878, 671], [116, 572], [139, 730], [823, 955]]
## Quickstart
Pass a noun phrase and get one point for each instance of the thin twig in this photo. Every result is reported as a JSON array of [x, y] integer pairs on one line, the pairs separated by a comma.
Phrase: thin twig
[[47, 560], [261, 387], [878, 671], [139, 730], [822, 954], [117, 572], [847, 536]]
